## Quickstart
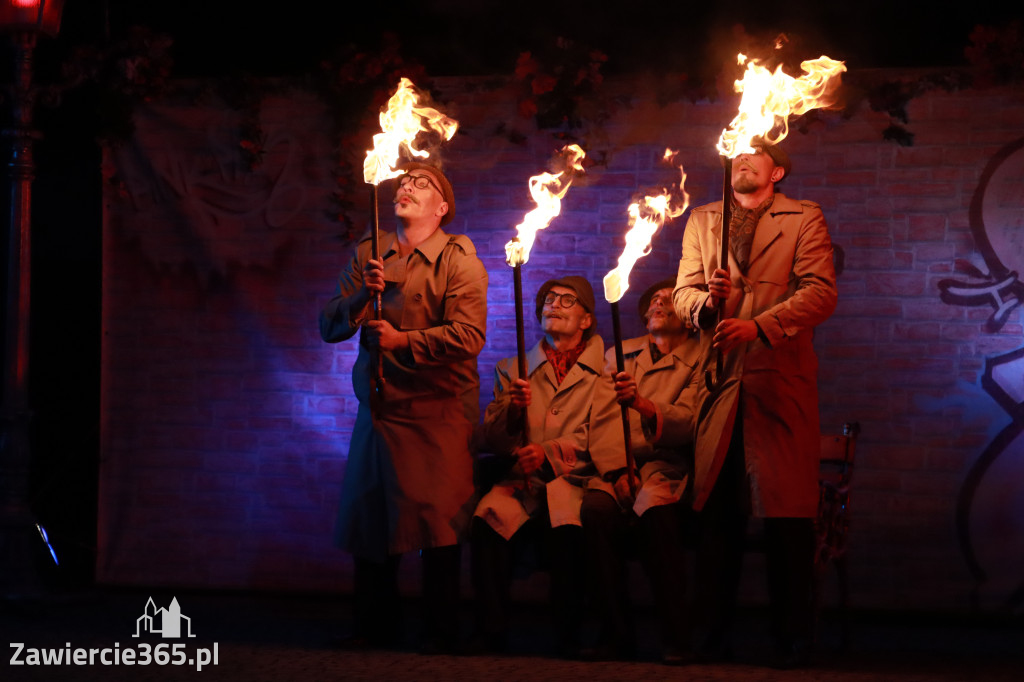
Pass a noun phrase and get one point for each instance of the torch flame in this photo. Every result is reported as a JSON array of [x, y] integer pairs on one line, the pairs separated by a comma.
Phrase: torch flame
[[645, 219], [547, 190], [770, 98], [400, 123]]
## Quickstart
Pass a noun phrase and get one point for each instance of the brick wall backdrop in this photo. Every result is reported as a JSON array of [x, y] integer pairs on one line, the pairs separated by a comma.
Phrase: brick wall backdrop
[[226, 419]]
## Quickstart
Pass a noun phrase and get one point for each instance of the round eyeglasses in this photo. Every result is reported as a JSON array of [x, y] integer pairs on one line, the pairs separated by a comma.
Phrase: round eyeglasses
[[419, 182], [564, 300]]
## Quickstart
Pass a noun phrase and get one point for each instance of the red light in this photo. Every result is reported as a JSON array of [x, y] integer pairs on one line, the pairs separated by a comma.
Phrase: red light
[[41, 16]]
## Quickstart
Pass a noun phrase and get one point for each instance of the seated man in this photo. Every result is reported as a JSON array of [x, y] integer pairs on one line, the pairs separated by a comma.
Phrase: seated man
[[659, 387], [561, 429]]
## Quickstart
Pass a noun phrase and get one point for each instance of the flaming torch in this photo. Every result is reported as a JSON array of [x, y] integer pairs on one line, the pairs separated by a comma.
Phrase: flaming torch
[[400, 124], [645, 219], [547, 190], [769, 99]]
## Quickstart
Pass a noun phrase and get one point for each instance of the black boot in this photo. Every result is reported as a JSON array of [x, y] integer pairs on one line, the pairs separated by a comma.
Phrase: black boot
[[441, 600], [492, 579]]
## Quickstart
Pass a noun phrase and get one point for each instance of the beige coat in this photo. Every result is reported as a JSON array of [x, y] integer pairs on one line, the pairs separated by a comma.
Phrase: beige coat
[[409, 477], [789, 288], [662, 446], [577, 423]]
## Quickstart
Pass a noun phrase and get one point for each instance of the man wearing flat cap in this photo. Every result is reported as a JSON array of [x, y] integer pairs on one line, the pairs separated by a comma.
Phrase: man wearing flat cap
[[573, 439], [408, 483], [659, 385], [758, 434]]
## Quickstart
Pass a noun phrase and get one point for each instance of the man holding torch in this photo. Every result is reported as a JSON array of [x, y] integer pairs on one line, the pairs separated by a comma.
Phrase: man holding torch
[[757, 440], [659, 385], [408, 482], [575, 440]]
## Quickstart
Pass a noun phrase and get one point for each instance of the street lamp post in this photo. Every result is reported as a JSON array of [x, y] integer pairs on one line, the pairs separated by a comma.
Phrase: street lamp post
[[23, 21]]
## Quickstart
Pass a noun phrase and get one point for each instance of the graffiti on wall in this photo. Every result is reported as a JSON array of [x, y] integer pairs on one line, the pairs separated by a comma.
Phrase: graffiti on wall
[[990, 505]]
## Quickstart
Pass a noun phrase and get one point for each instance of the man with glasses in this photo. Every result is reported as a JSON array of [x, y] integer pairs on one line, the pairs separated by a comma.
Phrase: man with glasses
[[659, 385], [758, 436], [559, 429], [408, 483]]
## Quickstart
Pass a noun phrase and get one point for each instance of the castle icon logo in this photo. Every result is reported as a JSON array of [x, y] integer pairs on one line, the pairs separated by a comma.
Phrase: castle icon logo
[[167, 622]]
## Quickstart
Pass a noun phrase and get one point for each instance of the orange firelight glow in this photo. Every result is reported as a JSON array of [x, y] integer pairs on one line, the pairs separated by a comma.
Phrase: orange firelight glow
[[400, 123], [770, 98], [547, 190], [646, 217]]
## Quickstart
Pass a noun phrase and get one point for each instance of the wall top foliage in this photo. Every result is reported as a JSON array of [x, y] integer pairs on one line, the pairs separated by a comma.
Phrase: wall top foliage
[[559, 87]]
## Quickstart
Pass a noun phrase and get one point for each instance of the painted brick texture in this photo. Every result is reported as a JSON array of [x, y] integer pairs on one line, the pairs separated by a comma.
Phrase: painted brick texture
[[226, 419]]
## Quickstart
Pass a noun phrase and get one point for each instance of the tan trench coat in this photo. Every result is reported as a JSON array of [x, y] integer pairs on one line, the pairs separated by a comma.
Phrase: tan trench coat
[[577, 423], [408, 482], [662, 446], [789, 288]]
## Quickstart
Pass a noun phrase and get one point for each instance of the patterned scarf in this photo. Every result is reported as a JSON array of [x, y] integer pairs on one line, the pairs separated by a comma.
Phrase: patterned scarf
[[741, 229], [562, 361]]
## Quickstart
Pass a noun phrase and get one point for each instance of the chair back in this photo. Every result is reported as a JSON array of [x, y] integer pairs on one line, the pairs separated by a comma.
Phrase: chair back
[[837, 452], [835, 472]]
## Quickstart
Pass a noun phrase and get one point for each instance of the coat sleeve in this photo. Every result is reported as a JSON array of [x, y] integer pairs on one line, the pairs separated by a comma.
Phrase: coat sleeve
[[500, 437], [607, 441], [675, 423], [691, 292], [462, 331], [814, 297], [337, 319]]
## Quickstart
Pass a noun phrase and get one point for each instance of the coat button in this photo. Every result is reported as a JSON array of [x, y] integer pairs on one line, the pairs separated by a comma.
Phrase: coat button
[[418, 297], [554, 410]]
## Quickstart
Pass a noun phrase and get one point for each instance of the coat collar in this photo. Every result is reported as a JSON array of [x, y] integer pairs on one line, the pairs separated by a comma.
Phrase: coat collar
[[635, 346], [430, 248], [781, 205], [641, 346], [784, 204], [591, 360]]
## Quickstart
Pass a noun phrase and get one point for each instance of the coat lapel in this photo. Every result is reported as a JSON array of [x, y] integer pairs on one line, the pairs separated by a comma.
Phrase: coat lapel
[[535, 358], [770, 226], [590, 361], [768, 230]]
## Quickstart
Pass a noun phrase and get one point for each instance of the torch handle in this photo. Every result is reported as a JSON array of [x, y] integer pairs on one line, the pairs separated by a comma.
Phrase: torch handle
[[620, 365], [377, 363], [375, 244], [715, 381], [517, 280], [723, 256], [517, 285]]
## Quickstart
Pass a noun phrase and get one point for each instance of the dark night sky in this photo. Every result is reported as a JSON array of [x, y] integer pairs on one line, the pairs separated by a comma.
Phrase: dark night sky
[[456, 37]]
